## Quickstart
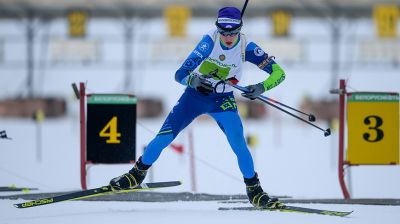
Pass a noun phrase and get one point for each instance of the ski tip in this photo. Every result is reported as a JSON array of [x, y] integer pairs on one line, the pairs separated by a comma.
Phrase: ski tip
[[336, 213], [173, 183], [345, 214]]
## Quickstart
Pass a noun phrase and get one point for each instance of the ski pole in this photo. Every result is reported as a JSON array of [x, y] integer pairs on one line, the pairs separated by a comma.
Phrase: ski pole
[[327, 132], [214, 73], [244, 8], [311, 117]]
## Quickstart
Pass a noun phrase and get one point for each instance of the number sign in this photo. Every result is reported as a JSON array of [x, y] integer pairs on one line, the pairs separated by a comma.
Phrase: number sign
[[385, 18], [111, 128], [77, 23], [373, 128]]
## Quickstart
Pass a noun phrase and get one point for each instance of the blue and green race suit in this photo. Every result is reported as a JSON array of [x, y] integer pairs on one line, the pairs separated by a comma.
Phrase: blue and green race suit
[[220, 106]]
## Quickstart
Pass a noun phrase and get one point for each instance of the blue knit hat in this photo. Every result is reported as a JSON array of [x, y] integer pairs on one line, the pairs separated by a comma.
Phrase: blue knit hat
[[229, 18]]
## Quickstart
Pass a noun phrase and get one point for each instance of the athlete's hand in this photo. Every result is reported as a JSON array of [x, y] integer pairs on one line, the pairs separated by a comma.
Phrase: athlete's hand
[[254, 91], [200, 84]]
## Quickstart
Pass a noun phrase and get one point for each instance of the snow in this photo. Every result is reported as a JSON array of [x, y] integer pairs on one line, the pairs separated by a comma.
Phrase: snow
[[291, 158], [186, 212]]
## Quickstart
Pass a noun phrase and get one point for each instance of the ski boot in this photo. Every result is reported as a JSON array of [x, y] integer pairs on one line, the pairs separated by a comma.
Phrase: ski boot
[[257, 197], [132, 179]]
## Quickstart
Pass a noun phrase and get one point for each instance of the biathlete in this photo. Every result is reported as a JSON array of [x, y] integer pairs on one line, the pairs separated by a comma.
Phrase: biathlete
[[217, 59]]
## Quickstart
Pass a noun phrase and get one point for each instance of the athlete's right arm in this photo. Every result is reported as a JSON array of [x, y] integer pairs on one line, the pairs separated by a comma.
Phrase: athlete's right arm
[[201, 52]]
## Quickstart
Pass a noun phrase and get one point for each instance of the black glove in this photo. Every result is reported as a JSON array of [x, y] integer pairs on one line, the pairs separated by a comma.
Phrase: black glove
[[200, 84], [254, 91]]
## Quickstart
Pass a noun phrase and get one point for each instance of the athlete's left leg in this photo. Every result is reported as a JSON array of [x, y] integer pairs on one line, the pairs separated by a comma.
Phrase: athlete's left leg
[[231, 125]]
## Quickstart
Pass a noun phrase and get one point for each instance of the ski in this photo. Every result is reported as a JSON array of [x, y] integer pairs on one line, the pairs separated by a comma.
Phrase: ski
[[95, 192], [13, 188], [291, 209]]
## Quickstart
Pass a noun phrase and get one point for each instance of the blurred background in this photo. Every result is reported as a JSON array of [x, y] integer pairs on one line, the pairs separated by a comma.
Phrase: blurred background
[[135, 47]]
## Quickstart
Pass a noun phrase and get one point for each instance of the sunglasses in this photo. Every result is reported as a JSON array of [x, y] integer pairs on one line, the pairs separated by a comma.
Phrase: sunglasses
[[228, 33]]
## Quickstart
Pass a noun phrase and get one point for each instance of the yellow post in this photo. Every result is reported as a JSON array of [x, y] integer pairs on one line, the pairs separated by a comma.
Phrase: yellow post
[[385, 18], [177, 17], [39, 116], [77, 23], [281, 23]]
